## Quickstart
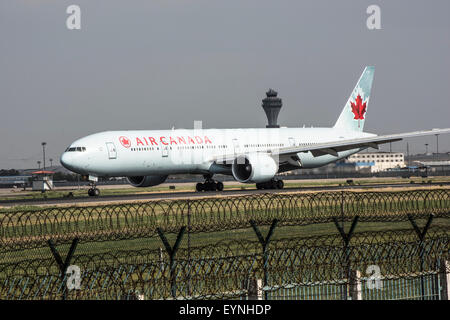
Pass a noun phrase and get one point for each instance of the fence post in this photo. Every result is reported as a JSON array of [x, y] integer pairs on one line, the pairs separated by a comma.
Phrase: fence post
[[342, 208], [355, 285], [265, 242], [63, 265], [254, 289], [161, 258], [189, 291], [421, 235], [444, 279], [171, 251], [346, 237]]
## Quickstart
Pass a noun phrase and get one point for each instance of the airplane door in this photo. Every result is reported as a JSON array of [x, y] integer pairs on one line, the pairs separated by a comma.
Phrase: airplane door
[[164, 151], [112, 153], [291, 142], [236, 146]]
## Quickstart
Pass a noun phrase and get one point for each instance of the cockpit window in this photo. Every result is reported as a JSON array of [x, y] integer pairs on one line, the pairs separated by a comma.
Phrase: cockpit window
[[78, 149]]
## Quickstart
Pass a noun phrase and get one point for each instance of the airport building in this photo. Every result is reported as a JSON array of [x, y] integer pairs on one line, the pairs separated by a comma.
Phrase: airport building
[[359, 163], [377, 161], [438, 164], [42, 180], [15, 181]]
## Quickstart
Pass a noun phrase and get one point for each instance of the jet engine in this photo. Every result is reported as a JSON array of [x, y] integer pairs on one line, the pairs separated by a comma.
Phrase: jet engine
[[146, 181], [254, 168]]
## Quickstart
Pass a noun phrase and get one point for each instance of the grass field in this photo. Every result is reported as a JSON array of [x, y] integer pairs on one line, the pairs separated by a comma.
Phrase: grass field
[[323, 234], [184, 187], [213, 220], [207, 215]]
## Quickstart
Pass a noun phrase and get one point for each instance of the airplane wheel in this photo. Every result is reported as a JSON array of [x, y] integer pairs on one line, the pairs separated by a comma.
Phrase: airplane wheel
[[258, 186], [280, 184], [209, 186], [199, 187], [93, 192]]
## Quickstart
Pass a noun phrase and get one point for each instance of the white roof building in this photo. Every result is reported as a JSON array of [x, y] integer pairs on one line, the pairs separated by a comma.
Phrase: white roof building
[[377, 161]]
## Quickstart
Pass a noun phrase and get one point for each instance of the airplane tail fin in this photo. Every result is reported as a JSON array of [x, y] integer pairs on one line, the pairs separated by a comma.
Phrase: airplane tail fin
[[354, 113]]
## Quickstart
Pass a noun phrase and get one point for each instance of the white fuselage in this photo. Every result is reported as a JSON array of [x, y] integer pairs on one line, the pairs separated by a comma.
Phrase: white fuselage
[[164, 152]]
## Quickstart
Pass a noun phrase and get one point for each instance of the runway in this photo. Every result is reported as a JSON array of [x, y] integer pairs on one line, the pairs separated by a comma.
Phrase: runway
[[195, 195]]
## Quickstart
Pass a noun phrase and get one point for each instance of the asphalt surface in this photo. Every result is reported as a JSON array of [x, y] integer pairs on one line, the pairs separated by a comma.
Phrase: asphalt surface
[[193, 195]]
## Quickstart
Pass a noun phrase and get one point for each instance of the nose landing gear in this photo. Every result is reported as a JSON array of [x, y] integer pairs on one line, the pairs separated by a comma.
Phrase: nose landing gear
[[93, 191], [271, 184], [209, 185]]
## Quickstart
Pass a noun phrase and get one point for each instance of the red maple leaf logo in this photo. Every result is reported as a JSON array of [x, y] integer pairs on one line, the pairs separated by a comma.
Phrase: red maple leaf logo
[[125, 141], [358, 108]]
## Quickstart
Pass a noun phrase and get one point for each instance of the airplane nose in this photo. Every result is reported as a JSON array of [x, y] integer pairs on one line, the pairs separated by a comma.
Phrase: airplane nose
[[66, 161]]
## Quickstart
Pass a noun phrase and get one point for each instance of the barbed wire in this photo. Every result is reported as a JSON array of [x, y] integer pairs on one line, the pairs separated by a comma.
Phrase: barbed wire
[[298, 245], [20, 229], [223, 269]]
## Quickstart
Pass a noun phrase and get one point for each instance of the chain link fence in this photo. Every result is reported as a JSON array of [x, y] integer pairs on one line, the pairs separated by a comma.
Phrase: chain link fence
[[333, 245]]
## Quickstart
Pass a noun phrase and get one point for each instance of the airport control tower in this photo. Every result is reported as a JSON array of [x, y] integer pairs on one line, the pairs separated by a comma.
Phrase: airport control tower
[[272, 105]]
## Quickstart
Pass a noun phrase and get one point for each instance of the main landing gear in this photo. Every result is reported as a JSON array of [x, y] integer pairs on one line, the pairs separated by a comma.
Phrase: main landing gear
[[271, 184], [209, 185]]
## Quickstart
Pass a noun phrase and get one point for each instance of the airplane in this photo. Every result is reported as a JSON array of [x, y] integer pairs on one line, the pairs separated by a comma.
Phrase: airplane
[[252, 155]]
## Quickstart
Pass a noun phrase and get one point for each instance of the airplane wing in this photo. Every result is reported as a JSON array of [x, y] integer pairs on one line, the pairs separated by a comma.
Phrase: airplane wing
[[334, 147]]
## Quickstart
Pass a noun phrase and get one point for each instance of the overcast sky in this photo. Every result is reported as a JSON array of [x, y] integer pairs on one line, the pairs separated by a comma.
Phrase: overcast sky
[[157, 64]]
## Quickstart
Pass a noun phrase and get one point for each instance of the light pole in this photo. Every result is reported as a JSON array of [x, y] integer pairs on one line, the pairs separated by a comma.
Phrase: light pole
[[43, 151], [407, 154], [437, 145], [39, 165], [426, 147], [51, 162]]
